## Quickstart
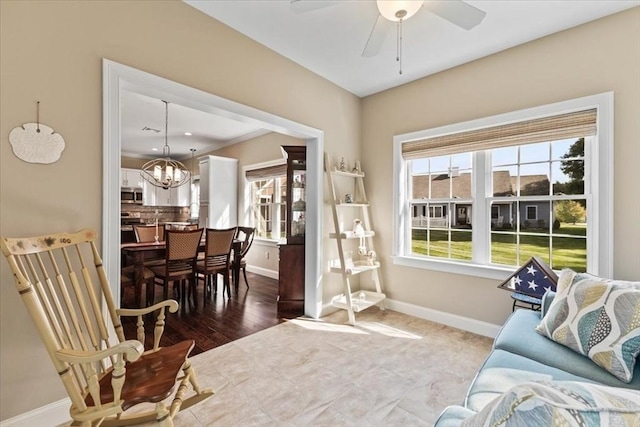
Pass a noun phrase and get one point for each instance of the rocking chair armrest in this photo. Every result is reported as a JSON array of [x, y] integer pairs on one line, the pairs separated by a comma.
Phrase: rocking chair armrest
[[131, 349], [172, 304], [159, 327]]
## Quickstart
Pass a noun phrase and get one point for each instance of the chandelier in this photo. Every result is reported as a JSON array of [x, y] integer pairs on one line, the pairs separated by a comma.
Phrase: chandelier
[[165, 172]]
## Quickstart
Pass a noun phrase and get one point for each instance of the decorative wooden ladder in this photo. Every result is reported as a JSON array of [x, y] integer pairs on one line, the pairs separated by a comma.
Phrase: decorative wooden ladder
[[346, 265]]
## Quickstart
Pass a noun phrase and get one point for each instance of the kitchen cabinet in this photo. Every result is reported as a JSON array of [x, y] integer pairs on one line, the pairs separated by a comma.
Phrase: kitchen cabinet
[[157, 196], [130, 178], [149, 194], [218, 192]]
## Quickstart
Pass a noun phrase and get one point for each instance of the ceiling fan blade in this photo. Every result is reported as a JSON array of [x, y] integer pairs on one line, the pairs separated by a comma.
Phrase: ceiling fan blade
[[377, 36], [457, 12], [304, 6]]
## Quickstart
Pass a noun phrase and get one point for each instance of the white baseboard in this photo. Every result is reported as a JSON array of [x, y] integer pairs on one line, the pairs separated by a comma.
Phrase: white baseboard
[[263, 271], [455, 321], [53, 414], [460, 322]]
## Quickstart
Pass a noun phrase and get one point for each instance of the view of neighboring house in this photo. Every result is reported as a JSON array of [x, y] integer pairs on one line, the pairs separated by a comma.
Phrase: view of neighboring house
[[458, 214]]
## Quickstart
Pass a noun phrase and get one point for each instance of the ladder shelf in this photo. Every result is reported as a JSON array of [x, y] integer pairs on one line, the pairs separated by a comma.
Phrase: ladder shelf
[[351, 235], [357, 267], [352, 300], [357, 303]]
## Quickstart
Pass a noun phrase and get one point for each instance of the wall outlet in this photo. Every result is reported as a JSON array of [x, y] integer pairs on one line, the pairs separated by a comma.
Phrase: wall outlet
[[266, 255]]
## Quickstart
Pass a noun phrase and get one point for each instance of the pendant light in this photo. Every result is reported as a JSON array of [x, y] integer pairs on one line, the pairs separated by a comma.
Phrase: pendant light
[[165, 172], [398, 11], [193, 168]]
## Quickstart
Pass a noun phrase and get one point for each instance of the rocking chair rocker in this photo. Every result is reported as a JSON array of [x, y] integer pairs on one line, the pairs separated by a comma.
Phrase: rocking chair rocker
[[103, 373]]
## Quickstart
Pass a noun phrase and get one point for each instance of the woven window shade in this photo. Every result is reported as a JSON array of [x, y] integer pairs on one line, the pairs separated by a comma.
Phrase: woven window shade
[[570, 125], [266, 173]]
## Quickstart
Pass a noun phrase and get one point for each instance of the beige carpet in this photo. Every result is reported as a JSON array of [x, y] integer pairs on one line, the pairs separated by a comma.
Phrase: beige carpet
[[389, 370]]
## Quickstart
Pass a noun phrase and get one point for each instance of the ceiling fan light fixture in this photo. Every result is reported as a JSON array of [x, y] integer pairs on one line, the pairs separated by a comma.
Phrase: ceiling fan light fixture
[[396, 10]]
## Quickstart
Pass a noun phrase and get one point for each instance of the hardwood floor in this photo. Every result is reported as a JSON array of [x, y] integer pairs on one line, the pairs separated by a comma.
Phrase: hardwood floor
[[217, 321]]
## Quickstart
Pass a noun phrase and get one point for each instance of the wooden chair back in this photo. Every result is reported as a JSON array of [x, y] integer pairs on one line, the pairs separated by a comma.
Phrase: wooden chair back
[[147, 233], [62, 282], [60, 278], [182, 250], [245, 234], [218, 245], [183, 244]]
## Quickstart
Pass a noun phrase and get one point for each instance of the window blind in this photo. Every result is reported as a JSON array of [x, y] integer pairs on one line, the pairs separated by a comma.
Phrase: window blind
[[563, 126], [266, 172]]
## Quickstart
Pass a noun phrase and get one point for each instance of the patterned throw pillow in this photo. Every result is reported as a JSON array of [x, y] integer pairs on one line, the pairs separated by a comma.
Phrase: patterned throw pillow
[[598, 318], [565, 279], [560, 403]]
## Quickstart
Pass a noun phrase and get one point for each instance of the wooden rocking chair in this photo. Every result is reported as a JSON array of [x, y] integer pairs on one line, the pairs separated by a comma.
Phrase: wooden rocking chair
[[103, 373]]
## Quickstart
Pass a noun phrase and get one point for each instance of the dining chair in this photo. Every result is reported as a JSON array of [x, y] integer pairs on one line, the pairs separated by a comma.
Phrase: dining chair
[[127, 279], [147, 233], [245, 235], [180, 259], [63, 284], [217, 258]]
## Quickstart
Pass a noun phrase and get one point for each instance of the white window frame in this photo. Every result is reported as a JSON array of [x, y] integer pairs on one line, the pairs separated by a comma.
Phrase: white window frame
[[598, 188], [441, 207], [275, 205]]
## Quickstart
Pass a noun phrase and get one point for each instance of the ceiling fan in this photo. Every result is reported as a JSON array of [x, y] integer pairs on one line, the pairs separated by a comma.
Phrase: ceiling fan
[[457, 12]]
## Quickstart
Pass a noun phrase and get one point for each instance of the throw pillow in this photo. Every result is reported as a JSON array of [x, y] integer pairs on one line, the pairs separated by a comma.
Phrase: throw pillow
[[565, 279], [600, 319], [560, 403]]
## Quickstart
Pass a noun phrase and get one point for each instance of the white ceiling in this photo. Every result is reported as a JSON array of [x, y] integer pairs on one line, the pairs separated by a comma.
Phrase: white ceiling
[[209, 132], [329, 41]]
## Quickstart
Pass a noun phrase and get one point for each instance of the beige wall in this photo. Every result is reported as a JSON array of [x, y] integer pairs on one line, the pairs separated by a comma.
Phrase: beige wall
[[135, 163], [52, 51], [597, 57]]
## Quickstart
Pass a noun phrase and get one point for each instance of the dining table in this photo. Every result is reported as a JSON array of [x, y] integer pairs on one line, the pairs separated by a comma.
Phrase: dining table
[[138, 252]]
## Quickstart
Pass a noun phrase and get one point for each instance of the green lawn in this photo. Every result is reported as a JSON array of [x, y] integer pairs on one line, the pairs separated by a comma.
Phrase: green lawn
[[439, 245], [567, 251]]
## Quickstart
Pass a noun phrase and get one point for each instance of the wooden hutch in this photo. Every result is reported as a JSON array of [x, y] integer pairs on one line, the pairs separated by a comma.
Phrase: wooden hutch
[[292, 260]]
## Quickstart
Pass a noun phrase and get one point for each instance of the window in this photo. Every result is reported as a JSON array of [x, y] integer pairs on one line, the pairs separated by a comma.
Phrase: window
[[267, 188], [436, 211], [503, 189], [532, 213], [268, 207], [495, 212]]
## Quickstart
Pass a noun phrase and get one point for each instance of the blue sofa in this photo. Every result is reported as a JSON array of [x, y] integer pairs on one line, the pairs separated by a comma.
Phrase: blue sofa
[[521, 355]]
